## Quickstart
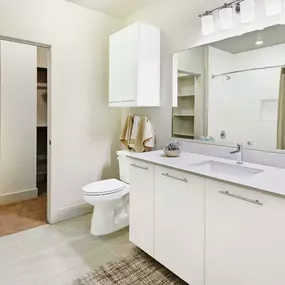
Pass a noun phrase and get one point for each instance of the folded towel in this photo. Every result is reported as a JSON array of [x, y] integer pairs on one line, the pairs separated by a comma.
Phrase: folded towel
[[126, 132], [145, 139], [134, 133]]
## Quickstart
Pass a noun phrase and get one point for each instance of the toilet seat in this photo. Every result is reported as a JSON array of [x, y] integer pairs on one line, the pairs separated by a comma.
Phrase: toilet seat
[[105, 188]]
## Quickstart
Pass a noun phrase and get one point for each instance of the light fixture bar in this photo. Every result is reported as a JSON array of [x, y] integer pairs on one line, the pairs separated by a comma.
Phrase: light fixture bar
[[220, 7]]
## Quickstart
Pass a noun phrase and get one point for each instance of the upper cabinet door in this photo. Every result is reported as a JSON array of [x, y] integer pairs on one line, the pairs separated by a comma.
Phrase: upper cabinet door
[[115, 68], [128, 68], [245, 236], [134, 79]]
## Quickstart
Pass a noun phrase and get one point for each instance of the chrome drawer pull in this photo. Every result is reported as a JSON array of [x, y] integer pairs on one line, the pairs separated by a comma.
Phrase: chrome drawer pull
[[173, 177], [257, 202], [137, 166]]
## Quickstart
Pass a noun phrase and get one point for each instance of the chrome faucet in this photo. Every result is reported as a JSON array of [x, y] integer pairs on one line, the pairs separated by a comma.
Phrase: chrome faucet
[[239, 152]]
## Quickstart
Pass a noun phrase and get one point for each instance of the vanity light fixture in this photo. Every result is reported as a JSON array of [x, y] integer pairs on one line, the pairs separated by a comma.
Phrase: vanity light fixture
[[226, 17], [208, 25], [247, 11], [273, 7]]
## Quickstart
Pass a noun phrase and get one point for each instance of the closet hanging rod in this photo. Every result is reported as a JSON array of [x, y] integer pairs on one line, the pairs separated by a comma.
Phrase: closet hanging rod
[[244, 70]]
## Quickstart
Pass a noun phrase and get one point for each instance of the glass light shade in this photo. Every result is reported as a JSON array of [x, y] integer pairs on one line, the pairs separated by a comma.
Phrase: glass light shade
[[273, 7], [226, 18], [208, 25], [247, 11]]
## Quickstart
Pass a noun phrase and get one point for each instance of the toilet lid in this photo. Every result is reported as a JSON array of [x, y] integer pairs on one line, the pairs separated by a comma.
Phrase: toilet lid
[[104, 187]]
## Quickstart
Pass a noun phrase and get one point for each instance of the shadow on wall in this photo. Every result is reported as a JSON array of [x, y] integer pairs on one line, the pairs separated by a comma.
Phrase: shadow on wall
[[111, 170]]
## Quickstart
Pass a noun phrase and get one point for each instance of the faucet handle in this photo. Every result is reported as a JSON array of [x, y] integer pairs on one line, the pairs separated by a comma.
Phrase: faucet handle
[[239, 146]]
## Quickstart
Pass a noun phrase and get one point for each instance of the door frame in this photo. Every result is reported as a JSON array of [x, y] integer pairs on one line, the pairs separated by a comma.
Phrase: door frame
[[49, 112]]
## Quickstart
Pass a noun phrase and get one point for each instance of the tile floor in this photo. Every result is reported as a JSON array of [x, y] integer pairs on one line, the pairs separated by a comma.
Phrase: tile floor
[[23, 215], [56, 254]]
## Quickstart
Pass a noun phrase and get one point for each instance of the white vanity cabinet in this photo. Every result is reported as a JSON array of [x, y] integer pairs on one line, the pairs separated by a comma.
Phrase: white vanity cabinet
[[245, 236], [134, 67], [141, 205], [205, 231], [179, 215]]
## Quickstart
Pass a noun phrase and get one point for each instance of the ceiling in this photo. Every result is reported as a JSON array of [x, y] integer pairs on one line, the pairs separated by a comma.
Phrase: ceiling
[[117, 8], [270, 36]]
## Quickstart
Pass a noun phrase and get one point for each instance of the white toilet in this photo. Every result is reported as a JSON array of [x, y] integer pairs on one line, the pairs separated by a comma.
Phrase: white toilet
[[110, 199]]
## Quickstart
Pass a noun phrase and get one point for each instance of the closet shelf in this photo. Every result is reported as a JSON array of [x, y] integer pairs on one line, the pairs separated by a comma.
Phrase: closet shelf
[[42, 85]]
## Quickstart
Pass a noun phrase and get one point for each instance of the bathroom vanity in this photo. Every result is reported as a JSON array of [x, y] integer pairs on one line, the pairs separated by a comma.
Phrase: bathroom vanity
[[209, 220]]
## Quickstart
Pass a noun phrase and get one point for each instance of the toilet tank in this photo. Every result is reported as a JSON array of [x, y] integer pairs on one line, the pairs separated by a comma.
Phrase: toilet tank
[[124, 166]]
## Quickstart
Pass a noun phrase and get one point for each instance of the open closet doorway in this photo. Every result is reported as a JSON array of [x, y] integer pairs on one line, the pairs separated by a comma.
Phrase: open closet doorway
[[24, 136]]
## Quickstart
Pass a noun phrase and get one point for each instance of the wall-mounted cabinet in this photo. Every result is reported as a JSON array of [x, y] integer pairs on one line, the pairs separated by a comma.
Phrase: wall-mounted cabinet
[[134, 67]]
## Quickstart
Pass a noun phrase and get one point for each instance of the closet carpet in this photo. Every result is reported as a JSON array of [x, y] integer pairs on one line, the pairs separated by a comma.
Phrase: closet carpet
[[23, 215]]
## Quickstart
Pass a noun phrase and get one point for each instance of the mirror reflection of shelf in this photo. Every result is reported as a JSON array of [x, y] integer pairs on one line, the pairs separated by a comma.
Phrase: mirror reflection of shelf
[[184, 114], [184, 135], [186, 96]]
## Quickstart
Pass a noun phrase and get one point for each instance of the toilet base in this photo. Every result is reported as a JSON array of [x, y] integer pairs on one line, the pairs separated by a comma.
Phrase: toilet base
[[109, 217]]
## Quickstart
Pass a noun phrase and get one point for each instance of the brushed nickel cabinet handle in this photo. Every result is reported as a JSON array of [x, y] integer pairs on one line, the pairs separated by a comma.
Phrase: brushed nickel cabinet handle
[[137, 166], [173, 177], [257, 202]]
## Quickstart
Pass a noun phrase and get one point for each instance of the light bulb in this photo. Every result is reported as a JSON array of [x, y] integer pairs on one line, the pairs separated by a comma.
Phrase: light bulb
[[208, 26], [247, 11], [273, 7], [226, 18]]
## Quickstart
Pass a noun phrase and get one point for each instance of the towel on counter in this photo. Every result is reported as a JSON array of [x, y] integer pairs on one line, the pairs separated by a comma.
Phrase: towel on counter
[[134, 134], [145, 137], [126, 132]]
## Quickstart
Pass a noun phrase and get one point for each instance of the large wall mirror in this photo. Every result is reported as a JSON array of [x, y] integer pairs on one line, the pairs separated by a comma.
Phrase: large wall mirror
[[233, 91]]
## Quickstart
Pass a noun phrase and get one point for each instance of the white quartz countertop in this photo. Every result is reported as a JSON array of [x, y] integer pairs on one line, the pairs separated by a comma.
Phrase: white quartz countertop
[[270, 180]]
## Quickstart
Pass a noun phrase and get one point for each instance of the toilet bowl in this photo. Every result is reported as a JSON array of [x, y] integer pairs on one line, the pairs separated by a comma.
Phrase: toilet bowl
[[110, 199]]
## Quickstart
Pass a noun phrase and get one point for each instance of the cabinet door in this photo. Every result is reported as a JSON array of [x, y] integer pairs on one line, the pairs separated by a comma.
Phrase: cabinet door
[[129, 63], [244, 238], [123, 65], [179, 223], [115, 74], [141, 205]]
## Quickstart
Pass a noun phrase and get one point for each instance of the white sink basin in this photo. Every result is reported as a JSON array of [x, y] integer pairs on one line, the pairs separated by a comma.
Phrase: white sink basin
[[238, 171]]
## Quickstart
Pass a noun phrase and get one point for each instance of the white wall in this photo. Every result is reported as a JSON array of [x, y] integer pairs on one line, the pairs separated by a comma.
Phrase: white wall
[[84, 131], [18, 122], [180, 28]]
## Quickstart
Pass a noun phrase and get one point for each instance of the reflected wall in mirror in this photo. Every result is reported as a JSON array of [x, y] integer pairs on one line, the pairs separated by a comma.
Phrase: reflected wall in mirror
[[233, 91]]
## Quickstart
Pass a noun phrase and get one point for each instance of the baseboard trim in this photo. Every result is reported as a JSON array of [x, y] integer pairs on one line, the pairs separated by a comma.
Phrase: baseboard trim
[[18, 196], [74, 211]]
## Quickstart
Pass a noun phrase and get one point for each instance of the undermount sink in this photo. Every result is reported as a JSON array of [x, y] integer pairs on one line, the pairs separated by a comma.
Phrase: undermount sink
[[238, 171]]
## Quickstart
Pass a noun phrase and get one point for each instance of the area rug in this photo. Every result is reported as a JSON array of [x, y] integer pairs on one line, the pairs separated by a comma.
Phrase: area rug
[[136, 269]]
